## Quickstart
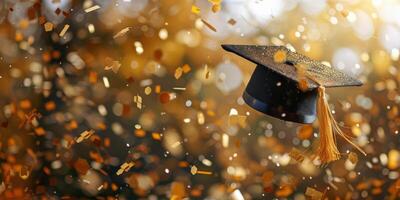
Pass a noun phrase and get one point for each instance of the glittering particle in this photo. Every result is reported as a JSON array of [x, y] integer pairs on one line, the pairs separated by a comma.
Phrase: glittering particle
[[122, 32], [147, 90], [139, 101], [64, 30], [48, 26], [313, 193], [178, 73], [211, 27], [114, 66], [280, 56], [93, 8], [125, 167], [106, 82], [195, 9], [84, 135]]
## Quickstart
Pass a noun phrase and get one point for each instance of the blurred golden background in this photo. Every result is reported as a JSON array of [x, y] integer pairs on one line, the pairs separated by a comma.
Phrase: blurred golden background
[[135, 99]]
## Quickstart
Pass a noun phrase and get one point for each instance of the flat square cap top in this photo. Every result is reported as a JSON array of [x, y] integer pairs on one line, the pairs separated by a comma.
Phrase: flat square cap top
[[264, 55]]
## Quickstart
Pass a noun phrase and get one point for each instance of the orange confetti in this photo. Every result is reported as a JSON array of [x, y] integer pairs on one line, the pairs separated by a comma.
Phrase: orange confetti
[[164, 97]]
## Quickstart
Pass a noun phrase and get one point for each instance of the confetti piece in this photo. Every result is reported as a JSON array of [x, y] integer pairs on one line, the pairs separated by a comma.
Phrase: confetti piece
[[147, 90], [48, 26], [296, 155], [186, 68], [30, 117], [122, 32], [138, 100], [178, 73], [211, 27], [156, 136], [195, 9], [353, 157], [64, 30], [100, 187], [215, 1], [314, 194], [91, 28], [125, 167], [24, 172], [193, 170], [158, 89], [93, 8], [200, 118], [225, 140], [106, 82], [216, 7], [177, 191], [231, 21], [84, 135], [115, 65], [179, 88], [280, 56], [81, 166]]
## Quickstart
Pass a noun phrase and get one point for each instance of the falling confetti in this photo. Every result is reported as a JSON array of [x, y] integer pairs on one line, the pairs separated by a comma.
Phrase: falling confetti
[[122, 32], [64, 30]]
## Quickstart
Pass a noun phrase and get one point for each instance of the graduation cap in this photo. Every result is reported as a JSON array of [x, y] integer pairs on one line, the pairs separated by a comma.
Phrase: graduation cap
[[290, 86]]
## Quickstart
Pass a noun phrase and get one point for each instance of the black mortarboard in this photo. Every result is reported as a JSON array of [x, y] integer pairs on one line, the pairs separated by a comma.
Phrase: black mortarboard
[[273, 88], [276, 88]]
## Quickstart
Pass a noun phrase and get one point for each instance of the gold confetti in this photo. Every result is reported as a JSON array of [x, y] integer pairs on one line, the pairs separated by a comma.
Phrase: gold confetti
[[158, 89], [138, 100], [179, 88], [48, 26], [314, 194], [156, 136], [178, 73], [296, 155], [195, 9], [122, 32], [280, 56], [225, 140], [147, 90], [84, 135], [186, 68], [106, 82], [216, 7], [64, 30], [193, 170], [24, 172], [353, 157], [125, 167], [115, 65], [93, 8]]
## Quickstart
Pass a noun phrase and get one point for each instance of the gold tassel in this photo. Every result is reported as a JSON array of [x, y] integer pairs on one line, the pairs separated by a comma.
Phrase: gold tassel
[[328, 127]]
